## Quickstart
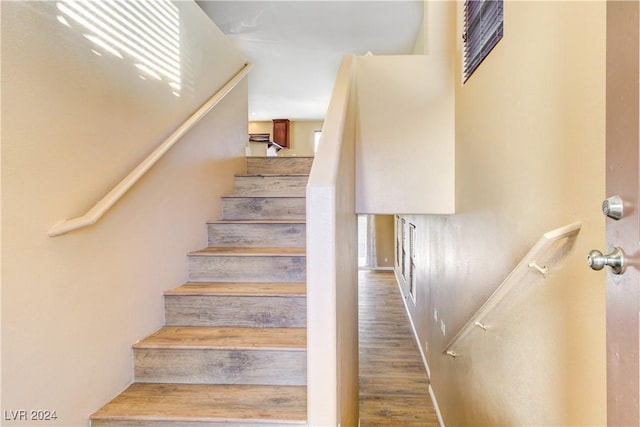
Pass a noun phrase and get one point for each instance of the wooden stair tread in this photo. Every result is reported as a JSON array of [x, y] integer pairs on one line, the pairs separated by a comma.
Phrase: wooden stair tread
[[212, 337], [205, 402], [270, 175], [284, 165], [261, 196], [240, 289], [257, 221], [279, 157], [249, 251]]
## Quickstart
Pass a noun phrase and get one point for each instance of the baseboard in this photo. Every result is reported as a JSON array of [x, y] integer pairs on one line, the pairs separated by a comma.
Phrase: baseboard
[[435, 406], [432, 394], [376, 268], [413, 328]]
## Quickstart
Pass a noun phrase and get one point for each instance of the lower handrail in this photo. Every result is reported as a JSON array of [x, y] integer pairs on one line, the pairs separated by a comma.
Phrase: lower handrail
[[528, 261], [94, 214]]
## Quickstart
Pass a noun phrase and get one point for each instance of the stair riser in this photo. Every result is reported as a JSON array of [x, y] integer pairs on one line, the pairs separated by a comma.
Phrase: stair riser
[[234, 311], [263, 208], [213, 366], [279, 165], [246, 268], [273, 185], [257, 235]]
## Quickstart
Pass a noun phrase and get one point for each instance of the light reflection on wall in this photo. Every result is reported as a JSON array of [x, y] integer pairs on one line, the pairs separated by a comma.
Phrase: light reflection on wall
[[148, 32]]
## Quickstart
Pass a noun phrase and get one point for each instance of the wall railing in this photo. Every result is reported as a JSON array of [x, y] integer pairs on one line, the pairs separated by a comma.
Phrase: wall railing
[[530, 261], [94, 214]]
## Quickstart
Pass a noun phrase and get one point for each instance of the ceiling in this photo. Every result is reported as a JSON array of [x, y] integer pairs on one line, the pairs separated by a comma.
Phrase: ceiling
[[296, 46]]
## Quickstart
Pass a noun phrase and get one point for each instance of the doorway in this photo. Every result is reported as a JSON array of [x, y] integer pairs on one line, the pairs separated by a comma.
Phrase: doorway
[[375, 242]]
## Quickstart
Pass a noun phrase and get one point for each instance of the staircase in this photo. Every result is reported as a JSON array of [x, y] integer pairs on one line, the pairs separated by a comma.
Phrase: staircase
[[233, 348]]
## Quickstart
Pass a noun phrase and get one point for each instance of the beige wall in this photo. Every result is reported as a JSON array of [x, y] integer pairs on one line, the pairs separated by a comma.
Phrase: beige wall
[[332, 260], [300, 134], [73, 124], [406, 130], [385, 243], [529, 158]]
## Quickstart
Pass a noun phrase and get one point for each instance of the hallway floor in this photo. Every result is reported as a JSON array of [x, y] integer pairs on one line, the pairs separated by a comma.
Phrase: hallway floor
[[393, 380]]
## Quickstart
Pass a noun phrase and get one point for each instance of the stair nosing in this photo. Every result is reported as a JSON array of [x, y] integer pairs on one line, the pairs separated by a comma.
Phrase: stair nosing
[[261, 196], [250, 252], [266, 220], [251, 175], [121, 411], [230, 421], [142, 346], [218, 342], [280, 157], [182, 291], [258, 221]]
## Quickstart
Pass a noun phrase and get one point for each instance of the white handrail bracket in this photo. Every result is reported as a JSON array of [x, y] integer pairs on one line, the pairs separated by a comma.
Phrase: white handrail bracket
[[543, 270], [481, 326]]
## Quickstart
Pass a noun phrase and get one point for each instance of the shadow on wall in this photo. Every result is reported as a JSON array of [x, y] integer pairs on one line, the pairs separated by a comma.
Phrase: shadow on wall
[[151, 45]]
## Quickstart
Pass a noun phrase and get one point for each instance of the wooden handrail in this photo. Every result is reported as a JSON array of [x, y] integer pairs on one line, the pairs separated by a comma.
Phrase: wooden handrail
[[94, 214], [528, 262]]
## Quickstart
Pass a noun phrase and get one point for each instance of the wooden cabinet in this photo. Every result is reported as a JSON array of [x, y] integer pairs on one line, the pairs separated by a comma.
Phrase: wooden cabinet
[[281, 132]]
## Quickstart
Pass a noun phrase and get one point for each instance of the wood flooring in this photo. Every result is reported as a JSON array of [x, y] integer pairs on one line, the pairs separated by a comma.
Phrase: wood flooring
[[394, 389]]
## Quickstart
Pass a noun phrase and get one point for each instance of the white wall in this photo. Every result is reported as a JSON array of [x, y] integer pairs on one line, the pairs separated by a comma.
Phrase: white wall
[[529, 158], [73, 124]]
